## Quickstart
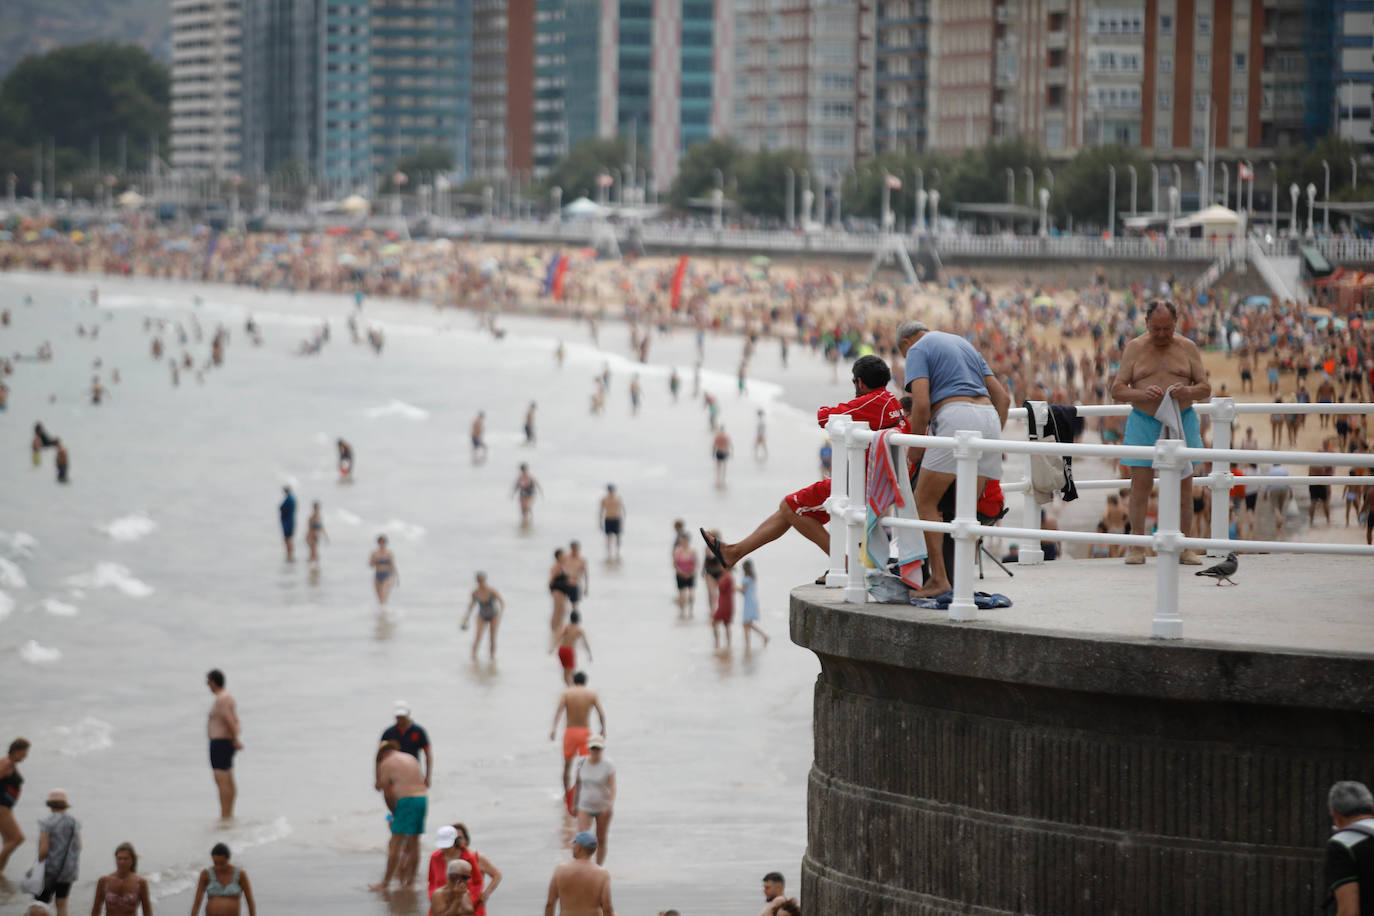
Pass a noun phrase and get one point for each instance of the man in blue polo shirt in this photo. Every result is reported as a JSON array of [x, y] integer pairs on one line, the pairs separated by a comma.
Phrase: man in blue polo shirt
[[411, 738], [951, 388]]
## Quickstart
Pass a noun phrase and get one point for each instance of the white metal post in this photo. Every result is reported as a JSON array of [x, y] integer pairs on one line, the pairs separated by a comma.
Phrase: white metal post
[[1223, 425], [855, 589], [962, 607], [835, 427], [1032, 553], [1168, 623]]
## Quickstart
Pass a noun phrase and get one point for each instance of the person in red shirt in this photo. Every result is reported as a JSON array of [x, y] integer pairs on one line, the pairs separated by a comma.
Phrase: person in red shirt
[[804, 510]]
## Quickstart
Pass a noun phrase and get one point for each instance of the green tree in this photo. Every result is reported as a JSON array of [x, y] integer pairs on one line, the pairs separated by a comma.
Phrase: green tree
[[576, 173], [762, 179], [696, 175], [79, 93], [1081, 185]]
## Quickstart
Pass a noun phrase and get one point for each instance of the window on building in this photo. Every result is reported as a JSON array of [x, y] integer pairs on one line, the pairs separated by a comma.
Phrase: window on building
[[1204, 23], [1054, 135], [1238, 98], [1163, 137], [1203, 63], [1199, 136], [1201, 100], [1166, 63], [1241, 62], [1164, 100]]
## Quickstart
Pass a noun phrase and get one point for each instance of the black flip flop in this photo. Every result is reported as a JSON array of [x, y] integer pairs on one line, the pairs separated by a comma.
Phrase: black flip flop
[[714, 547]]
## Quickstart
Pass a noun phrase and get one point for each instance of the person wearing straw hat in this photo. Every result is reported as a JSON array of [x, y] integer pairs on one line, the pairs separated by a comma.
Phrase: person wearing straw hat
[[59, 850]]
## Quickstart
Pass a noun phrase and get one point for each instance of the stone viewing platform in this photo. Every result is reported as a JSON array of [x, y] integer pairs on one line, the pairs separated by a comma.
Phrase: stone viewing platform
[[1053, 758]]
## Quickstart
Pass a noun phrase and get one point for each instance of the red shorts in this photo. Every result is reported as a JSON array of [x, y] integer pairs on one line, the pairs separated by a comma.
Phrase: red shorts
[[810, 501], [565, 655]]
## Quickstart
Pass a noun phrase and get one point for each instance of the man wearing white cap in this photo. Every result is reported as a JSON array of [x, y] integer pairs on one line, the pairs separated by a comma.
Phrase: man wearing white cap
[[580, 887], [411, 738], [453, 898]]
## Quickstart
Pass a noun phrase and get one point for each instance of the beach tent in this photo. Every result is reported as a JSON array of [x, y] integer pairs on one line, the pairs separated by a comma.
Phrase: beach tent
[[583, 207], [130, 200], [355, 203], [1215, 220]]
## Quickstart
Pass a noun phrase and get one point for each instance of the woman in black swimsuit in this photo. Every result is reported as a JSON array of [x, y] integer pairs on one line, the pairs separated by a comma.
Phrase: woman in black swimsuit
[[558, 587], [10, 785]]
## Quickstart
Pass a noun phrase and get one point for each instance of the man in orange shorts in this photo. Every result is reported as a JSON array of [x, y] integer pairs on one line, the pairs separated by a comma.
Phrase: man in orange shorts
[[804, 510], [577, 702]]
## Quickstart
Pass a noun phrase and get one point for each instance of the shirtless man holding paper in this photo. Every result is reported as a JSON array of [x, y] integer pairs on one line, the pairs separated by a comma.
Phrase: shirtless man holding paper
[[1155, 364]]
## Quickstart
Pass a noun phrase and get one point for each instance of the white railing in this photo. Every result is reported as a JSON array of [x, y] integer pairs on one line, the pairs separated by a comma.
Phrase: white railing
[[848, 507]]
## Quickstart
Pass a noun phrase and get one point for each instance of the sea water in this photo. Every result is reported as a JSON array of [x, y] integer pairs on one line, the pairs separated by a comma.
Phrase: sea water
[[162, 559]]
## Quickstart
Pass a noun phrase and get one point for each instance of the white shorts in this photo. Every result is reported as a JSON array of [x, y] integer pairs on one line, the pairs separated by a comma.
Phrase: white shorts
[[956, 415]]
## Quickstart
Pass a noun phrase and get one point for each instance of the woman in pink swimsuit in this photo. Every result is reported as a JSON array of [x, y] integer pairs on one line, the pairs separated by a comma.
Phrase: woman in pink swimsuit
[[123, 891]]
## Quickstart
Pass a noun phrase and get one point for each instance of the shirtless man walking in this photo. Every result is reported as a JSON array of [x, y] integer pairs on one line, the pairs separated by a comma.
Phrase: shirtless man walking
[[612, 518], [576, 703], [1151, 365], [403, 786], [580, 887], [565, 643], [479, 443], [579, 583], [720, 449], [223, 731]]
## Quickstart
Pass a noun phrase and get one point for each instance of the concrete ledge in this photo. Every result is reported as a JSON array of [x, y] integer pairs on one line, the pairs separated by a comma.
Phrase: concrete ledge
[[992, 768]]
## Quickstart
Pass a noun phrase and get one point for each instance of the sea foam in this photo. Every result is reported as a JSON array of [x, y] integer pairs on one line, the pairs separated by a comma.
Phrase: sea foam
[[85, 737], [58, 608], [11, 576], [407, 530], [395, 408], [6, 605], [35, 654], [112, 575], [129, 528], [18, 544], [348, 518]]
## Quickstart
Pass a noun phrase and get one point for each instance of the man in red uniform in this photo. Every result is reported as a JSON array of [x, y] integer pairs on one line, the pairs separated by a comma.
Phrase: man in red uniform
[[804, 510]]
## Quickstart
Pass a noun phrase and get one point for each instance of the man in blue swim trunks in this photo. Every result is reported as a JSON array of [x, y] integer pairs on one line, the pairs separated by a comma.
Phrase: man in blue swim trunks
[[1157, 364], [402, 785]]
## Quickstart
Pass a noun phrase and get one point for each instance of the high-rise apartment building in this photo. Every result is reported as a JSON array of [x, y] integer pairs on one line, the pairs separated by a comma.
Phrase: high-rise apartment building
[[802, 77], [503, 65], [417, 63], [343, 117], [901, 76], [1353, 65], [280, 85], [962, 52], [641, 69], [206, 86]]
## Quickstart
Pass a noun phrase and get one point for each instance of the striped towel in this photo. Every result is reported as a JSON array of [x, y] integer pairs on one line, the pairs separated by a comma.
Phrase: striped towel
[[885, 488]]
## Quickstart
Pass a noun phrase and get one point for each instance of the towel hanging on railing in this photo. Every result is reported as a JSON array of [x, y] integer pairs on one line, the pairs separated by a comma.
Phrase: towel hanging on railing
[[1051, 473]]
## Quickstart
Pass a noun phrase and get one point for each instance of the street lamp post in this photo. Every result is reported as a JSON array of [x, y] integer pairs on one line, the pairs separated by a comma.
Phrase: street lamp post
[[1353, 173], [1011, 185], [1049, 179], [935, 212], [1293, 192], [918, 197], [1111, 201], [1133, 182], [1326, 199], [806, 197], [1311, 198], [1030, 186], [791, 179], [1200, 173], [1044, 212], [1225, 183], [1175, 203], [1274, 197], [556, 195], [1154, 188]]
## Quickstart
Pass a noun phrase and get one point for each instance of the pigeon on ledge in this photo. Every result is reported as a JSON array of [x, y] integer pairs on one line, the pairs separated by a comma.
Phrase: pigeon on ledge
[[1223, 571]]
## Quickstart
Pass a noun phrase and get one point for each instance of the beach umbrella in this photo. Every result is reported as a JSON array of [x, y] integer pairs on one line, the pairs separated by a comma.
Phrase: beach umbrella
[[1317, 311], [5, 235], [78, 236], [130, 199], [30, 236], [1044, 302], [490, 266], [355, 203], [391, 249], [347, 259], [337, 230], [760, 260], [1257, 302], [1323, 323]]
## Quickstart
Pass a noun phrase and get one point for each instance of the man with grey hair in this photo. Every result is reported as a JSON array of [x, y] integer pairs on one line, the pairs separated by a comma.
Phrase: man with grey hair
[[951, 388], [1350, 851], [907, 333]]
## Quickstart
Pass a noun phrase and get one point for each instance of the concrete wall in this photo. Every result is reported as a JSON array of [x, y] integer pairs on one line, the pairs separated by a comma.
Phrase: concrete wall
[[974, 769]]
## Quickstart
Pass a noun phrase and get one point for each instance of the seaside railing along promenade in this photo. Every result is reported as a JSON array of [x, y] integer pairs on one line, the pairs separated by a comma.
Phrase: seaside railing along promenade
[[849, 512]]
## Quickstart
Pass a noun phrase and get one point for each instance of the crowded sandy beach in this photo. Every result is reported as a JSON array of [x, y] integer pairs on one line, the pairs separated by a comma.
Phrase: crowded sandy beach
[[321, 483]]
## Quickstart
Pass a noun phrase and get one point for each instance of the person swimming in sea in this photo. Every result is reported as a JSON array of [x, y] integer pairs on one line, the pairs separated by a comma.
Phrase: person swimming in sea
[[314, 531], [345, 462]]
